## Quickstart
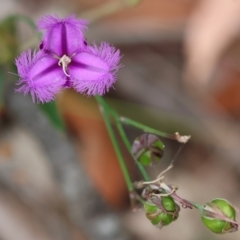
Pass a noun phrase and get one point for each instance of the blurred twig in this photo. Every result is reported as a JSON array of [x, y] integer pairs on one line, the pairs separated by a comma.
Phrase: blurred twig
[[108, 8]]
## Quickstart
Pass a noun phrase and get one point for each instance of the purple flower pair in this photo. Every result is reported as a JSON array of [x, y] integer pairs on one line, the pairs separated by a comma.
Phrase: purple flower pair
[[66, 60]]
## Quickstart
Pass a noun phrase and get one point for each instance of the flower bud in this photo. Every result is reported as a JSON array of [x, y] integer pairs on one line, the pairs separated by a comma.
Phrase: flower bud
[[162, 215], [219, 216], [147, 148]]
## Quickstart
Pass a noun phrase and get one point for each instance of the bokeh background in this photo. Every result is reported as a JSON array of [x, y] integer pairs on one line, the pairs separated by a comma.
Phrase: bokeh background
[[181, 74]]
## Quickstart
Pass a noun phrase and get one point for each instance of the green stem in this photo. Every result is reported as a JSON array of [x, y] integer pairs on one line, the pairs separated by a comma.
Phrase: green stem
[[24, 19], [197, 206], [108, 8], [129, 147], [31, 41], [124, 138], [2, 87], [147, 129], [121, 161]]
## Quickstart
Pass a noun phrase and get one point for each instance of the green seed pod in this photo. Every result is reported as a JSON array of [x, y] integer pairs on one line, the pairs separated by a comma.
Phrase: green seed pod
[[169, 203], [147, 148], [219, 216], [163, 219], [145, 158], [162, 216], [150, 207]]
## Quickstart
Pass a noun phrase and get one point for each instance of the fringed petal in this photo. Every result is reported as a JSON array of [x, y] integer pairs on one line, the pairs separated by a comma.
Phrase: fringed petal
[[62, 36], [40, 75], [93, 71]]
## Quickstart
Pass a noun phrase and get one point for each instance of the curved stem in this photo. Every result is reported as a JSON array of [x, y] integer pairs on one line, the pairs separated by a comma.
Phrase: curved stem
[[129, 147], [197, 206], [24, 19], [175, 136], [115, 144], [124, 137], [108, 8]]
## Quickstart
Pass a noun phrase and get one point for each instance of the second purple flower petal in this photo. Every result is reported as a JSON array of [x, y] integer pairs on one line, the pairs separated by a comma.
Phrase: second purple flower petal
[[40, 75], [62, 35], [93, 71]]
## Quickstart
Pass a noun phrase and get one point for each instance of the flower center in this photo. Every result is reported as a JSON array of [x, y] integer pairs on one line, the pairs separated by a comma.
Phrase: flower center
[[64, 61]]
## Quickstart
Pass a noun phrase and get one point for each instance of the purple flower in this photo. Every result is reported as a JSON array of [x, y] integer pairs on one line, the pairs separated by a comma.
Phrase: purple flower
[[66, 60]]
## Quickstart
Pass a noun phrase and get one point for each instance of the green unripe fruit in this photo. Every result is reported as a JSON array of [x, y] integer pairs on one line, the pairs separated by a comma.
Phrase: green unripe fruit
[[160, 217], [225, 207], [163, 218], [147, 148], [169, 203], [145, 158], [220, 207], [150, 208]]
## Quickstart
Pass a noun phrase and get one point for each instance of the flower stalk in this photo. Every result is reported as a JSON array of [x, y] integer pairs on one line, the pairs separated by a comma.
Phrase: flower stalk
[[115, 116], [176, 136], [121, 161]]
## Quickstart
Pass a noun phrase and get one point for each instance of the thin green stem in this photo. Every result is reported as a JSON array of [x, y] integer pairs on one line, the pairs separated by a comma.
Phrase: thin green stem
[[185, 202], [108, 8], [115, 144], [124, 138], [1, 88], [147, 129], [31, 41], [197, 206], [129, 147]]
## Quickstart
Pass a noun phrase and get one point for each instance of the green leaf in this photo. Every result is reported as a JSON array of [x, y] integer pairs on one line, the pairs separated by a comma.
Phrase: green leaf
[[8, 41], [51, 111], [1, 87], [25, 19]]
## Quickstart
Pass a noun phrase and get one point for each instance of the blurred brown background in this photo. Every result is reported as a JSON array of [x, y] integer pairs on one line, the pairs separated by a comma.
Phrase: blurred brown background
[[181, 73]]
